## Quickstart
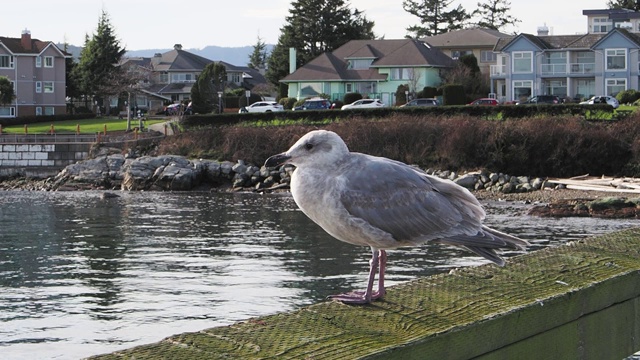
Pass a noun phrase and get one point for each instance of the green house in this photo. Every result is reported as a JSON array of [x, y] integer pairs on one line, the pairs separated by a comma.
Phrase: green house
[[373, 68]]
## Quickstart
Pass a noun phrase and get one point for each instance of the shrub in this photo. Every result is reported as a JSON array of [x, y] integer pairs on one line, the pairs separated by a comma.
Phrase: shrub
[[628, 96], [401, 96], [351, 97], [453, 95]]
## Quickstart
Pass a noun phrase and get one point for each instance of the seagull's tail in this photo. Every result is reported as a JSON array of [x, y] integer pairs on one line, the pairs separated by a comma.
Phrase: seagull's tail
[[486, 242]]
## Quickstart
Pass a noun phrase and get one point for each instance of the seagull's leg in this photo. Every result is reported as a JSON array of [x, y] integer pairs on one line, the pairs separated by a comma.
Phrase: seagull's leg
[[360, 297], [382, 261]]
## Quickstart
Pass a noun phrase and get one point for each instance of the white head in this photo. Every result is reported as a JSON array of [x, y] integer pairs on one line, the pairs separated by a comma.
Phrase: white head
[[316, 148]]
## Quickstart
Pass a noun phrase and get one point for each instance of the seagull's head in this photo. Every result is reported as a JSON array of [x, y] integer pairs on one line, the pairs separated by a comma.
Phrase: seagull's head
[[316, 148]]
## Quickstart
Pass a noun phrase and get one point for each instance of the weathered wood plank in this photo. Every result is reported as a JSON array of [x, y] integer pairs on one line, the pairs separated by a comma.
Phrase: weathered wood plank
[[583, 296]]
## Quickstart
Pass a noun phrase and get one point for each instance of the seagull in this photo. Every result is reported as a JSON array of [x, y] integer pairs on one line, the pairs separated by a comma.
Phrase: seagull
[[384, 204]]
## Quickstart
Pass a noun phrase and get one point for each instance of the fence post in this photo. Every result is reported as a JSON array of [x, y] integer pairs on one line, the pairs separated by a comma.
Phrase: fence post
[[105, 129], [52, 130], [78, 129], [26, 129]]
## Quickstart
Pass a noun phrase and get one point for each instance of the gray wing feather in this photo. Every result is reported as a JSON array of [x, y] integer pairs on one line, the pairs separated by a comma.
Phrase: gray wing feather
[[407, 203]]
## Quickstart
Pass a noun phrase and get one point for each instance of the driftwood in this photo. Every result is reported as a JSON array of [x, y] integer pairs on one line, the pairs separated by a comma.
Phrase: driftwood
[[607, 184]]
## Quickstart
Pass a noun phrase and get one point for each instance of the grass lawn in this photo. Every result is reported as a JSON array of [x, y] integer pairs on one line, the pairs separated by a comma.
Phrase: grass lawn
[[87, 126]]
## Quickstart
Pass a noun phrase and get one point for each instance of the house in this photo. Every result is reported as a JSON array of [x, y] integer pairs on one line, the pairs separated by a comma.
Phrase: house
[[173, 73], [37, 70], [477, 41], [570, 66], [373, 68]]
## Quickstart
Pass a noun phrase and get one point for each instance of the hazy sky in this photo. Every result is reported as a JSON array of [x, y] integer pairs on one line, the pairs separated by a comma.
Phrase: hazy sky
[[153, 24]]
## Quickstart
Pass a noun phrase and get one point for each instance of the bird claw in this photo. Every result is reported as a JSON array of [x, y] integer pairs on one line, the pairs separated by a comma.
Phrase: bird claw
[[356, 297]]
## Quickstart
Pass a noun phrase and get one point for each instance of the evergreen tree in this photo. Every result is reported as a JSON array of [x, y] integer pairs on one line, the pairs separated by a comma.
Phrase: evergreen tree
[[258, 58], [6, 91], [98, 59], [624, 4], [494, 14], [315, 27], [434, 17], [204, 93]]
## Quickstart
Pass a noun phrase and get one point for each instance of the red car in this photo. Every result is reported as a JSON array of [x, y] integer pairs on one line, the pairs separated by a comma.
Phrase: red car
[[484, 101]]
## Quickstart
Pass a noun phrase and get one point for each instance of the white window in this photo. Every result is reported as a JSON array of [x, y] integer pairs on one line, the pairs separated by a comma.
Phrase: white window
[[48, 61], [348, 87], [7, 112], [360, 64], [38, 110], [614, 86], [178, 78], [6, 61], [234, 78], [488, 56], [456, 54], [310, 89], [616, 59], [38, 61], [48, 86], [367, 88], [522, 89], [522, 62], [399, 74], [49, 110], [38, 87]]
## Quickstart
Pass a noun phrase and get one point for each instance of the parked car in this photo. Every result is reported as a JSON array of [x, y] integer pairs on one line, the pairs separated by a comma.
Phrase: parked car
[[314, 104], [541, 99], [422, 102], [484, 101], [603, 99], [172, 109], [364, 104], [262, 106]]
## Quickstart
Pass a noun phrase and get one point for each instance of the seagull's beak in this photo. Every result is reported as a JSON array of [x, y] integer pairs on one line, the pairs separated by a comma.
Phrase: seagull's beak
[[277, 160]]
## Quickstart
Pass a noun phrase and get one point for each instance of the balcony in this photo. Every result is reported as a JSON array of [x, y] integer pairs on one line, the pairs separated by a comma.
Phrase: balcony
[[582, 69], [498, 70], [554, 69]]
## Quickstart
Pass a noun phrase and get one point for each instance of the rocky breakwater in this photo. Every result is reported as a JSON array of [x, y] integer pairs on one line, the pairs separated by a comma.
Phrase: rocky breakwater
[[176, 173]]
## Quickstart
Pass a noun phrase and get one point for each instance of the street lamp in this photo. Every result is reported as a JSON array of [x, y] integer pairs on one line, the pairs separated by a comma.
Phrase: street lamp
[[247, 94], [406, 96], [219, 102]]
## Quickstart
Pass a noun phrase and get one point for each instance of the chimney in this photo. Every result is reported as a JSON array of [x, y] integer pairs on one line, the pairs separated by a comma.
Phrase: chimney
[[543, 30], [177, 46], [25, 41], [292, 60]]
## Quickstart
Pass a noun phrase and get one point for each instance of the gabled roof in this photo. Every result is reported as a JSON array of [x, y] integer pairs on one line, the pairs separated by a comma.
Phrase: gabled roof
[[14, 45], [179, 60], [466, 38], [561, 42], [334, 66]]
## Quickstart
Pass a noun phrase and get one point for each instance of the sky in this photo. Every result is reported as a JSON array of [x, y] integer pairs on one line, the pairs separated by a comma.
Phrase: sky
[[159, 24]]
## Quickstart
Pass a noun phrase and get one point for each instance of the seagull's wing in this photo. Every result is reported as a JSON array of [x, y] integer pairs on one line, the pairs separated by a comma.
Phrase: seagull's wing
[[406, 203]]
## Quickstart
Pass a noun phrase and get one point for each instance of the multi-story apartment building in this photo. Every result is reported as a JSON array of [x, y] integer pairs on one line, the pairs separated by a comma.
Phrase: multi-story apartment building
[[37, 71], [603, 61]]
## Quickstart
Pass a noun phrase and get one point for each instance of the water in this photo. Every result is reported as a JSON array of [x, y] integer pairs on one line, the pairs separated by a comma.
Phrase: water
[[81, 275]]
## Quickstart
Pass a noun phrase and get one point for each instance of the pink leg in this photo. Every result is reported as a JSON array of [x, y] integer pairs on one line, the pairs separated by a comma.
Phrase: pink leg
[[379, 258]]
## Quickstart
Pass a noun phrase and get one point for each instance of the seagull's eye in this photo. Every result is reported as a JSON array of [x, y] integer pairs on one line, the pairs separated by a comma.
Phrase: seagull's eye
[[308, 146]]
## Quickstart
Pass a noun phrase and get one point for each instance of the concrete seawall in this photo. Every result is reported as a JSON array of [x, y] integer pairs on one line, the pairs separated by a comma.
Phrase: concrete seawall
[[39, 160]]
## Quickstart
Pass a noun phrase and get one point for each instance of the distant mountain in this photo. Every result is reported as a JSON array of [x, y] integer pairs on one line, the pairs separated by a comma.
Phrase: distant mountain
[[238, 56]]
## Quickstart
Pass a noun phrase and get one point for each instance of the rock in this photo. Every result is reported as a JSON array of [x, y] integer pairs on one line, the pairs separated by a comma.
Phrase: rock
[[467, 180]]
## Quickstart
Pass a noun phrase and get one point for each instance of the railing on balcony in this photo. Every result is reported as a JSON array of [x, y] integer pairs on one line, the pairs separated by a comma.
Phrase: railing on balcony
[[582, 68], [498, 70], [554, 69]]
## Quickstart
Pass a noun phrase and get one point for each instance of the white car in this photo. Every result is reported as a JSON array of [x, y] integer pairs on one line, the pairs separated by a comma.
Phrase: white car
[[364, 104], [601, 100], [262, 106]]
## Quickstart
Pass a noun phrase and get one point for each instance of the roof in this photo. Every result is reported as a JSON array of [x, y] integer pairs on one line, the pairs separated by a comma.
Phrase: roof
[[179, 60], [14, 45], [560, 42], [614, 14], [334, 66], [466, 38]]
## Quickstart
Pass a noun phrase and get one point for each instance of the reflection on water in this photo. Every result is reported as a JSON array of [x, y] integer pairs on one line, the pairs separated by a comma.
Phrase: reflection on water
[[81, 275]]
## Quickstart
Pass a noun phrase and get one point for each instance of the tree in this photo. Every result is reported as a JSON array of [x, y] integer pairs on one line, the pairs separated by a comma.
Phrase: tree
[[6, 91], [327, 26], [125, 81], [204, 93], [258, 58], [98, 59], [494, 14], [624, 4], [434, 18]]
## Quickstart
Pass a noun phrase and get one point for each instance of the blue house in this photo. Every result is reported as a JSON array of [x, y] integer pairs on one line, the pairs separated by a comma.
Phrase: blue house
[[570, 66]]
